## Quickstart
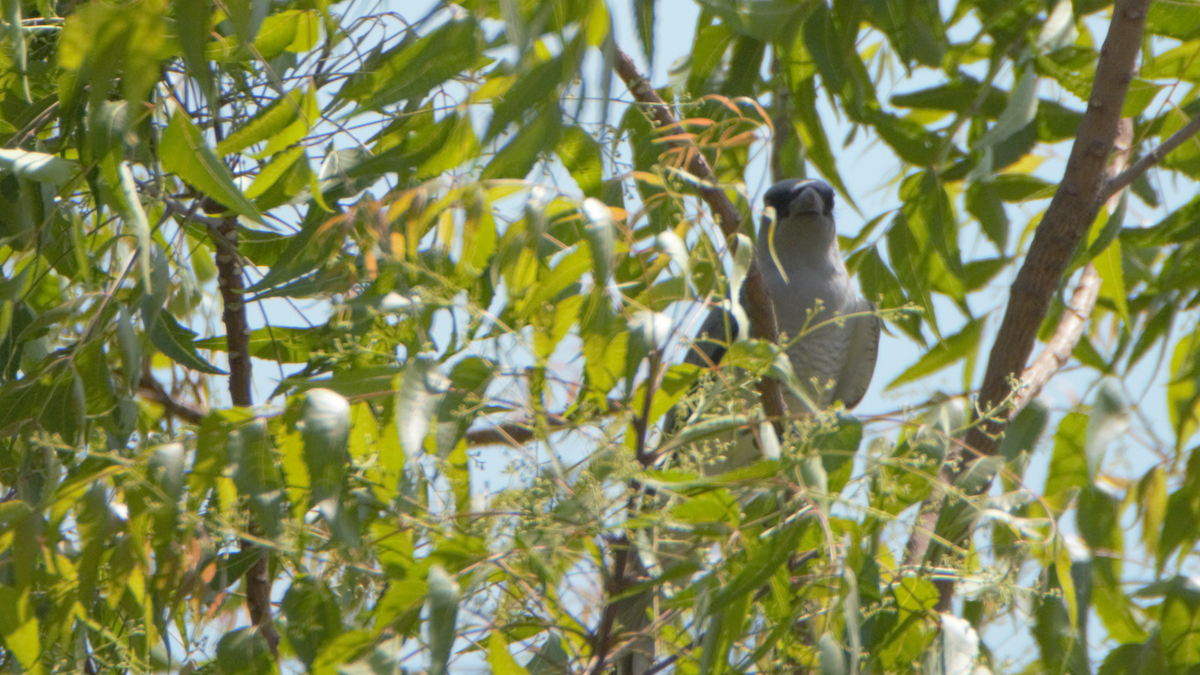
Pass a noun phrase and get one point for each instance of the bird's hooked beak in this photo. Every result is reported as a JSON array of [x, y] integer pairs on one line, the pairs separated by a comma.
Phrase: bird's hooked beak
[[807, 200]]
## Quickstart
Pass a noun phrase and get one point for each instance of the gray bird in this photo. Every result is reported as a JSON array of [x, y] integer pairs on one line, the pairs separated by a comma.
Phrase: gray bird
[[834, 360]]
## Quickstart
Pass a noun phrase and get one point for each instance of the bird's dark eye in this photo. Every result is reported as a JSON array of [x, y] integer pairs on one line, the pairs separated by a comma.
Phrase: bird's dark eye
[[828, 195]]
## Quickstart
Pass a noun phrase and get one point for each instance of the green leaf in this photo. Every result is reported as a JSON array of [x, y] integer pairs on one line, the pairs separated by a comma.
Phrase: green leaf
[[38, 166], [185, 153], [1176, 64], [244, 651], [247, 17], [290, 30], [1179, 20], [821, 39], [1022, 435], [1183, 391], [1141, 94], [959, 346], [914, 28], [19, 626], [565, 273], [643, 14], [1020, 111], [517, 157], [1186, 157], [912, 142], [444, 595], [1068, 464], [984, 202], [314, 618], [582, 156], [500, 659], [271, 121], [134, 217], [416, 65], [326, 433], [812, 134], [282, 166], [176, 342], [193, 25], [281, 344], [1020, 187], [92, 366]]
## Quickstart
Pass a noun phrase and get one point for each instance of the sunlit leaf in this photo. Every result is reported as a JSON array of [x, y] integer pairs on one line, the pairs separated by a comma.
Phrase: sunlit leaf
[[185, 152]]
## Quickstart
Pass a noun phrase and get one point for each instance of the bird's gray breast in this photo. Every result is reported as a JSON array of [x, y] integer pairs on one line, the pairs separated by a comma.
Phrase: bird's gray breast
[[822, 351]]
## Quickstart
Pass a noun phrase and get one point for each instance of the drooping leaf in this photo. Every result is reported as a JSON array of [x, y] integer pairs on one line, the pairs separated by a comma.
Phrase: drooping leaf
[[185, 152]]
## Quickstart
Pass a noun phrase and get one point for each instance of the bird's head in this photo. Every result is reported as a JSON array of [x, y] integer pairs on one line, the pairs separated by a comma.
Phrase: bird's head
[[803, 222], [797, 197]]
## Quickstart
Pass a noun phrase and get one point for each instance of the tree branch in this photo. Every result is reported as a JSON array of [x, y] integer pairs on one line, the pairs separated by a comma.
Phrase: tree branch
[[758, 305], [1060, 347], [1070, 214], [519, 433], [1067, 219], [152, 390], [1153, 157], [224, 235]]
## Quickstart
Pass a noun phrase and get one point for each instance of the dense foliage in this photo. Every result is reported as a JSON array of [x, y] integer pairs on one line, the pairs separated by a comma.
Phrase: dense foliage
[[421, 226]]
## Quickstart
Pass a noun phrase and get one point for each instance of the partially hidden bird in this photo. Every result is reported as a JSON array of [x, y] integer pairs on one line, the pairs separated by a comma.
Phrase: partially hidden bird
[[810, 288], [833, 359]]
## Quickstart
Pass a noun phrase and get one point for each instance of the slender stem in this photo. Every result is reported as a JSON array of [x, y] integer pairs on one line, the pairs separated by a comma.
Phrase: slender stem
[[1151, 158]]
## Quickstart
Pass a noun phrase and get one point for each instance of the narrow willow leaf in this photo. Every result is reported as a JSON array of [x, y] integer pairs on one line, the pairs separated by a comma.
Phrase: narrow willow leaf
[[946, 353], [643, 14], [500, 659], [38, 166], [193, 19], [185, 153], [444, 595], [176, 342], [415, 403], [134, 216], [247, 17], [326, 434], [274, 119]]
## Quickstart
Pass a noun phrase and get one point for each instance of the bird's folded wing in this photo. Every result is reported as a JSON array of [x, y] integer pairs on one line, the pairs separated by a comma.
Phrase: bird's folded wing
[[859, 365], [719, 330]]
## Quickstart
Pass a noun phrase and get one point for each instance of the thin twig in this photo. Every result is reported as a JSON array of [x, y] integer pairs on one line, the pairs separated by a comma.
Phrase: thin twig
[[517, 434], [757, 301], [152, 390], [1151, 158]]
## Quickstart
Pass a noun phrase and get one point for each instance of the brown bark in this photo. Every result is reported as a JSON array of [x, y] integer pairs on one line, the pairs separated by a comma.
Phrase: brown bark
[[237, 338], [1067, 219], [758, 305], [1072, 210]]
